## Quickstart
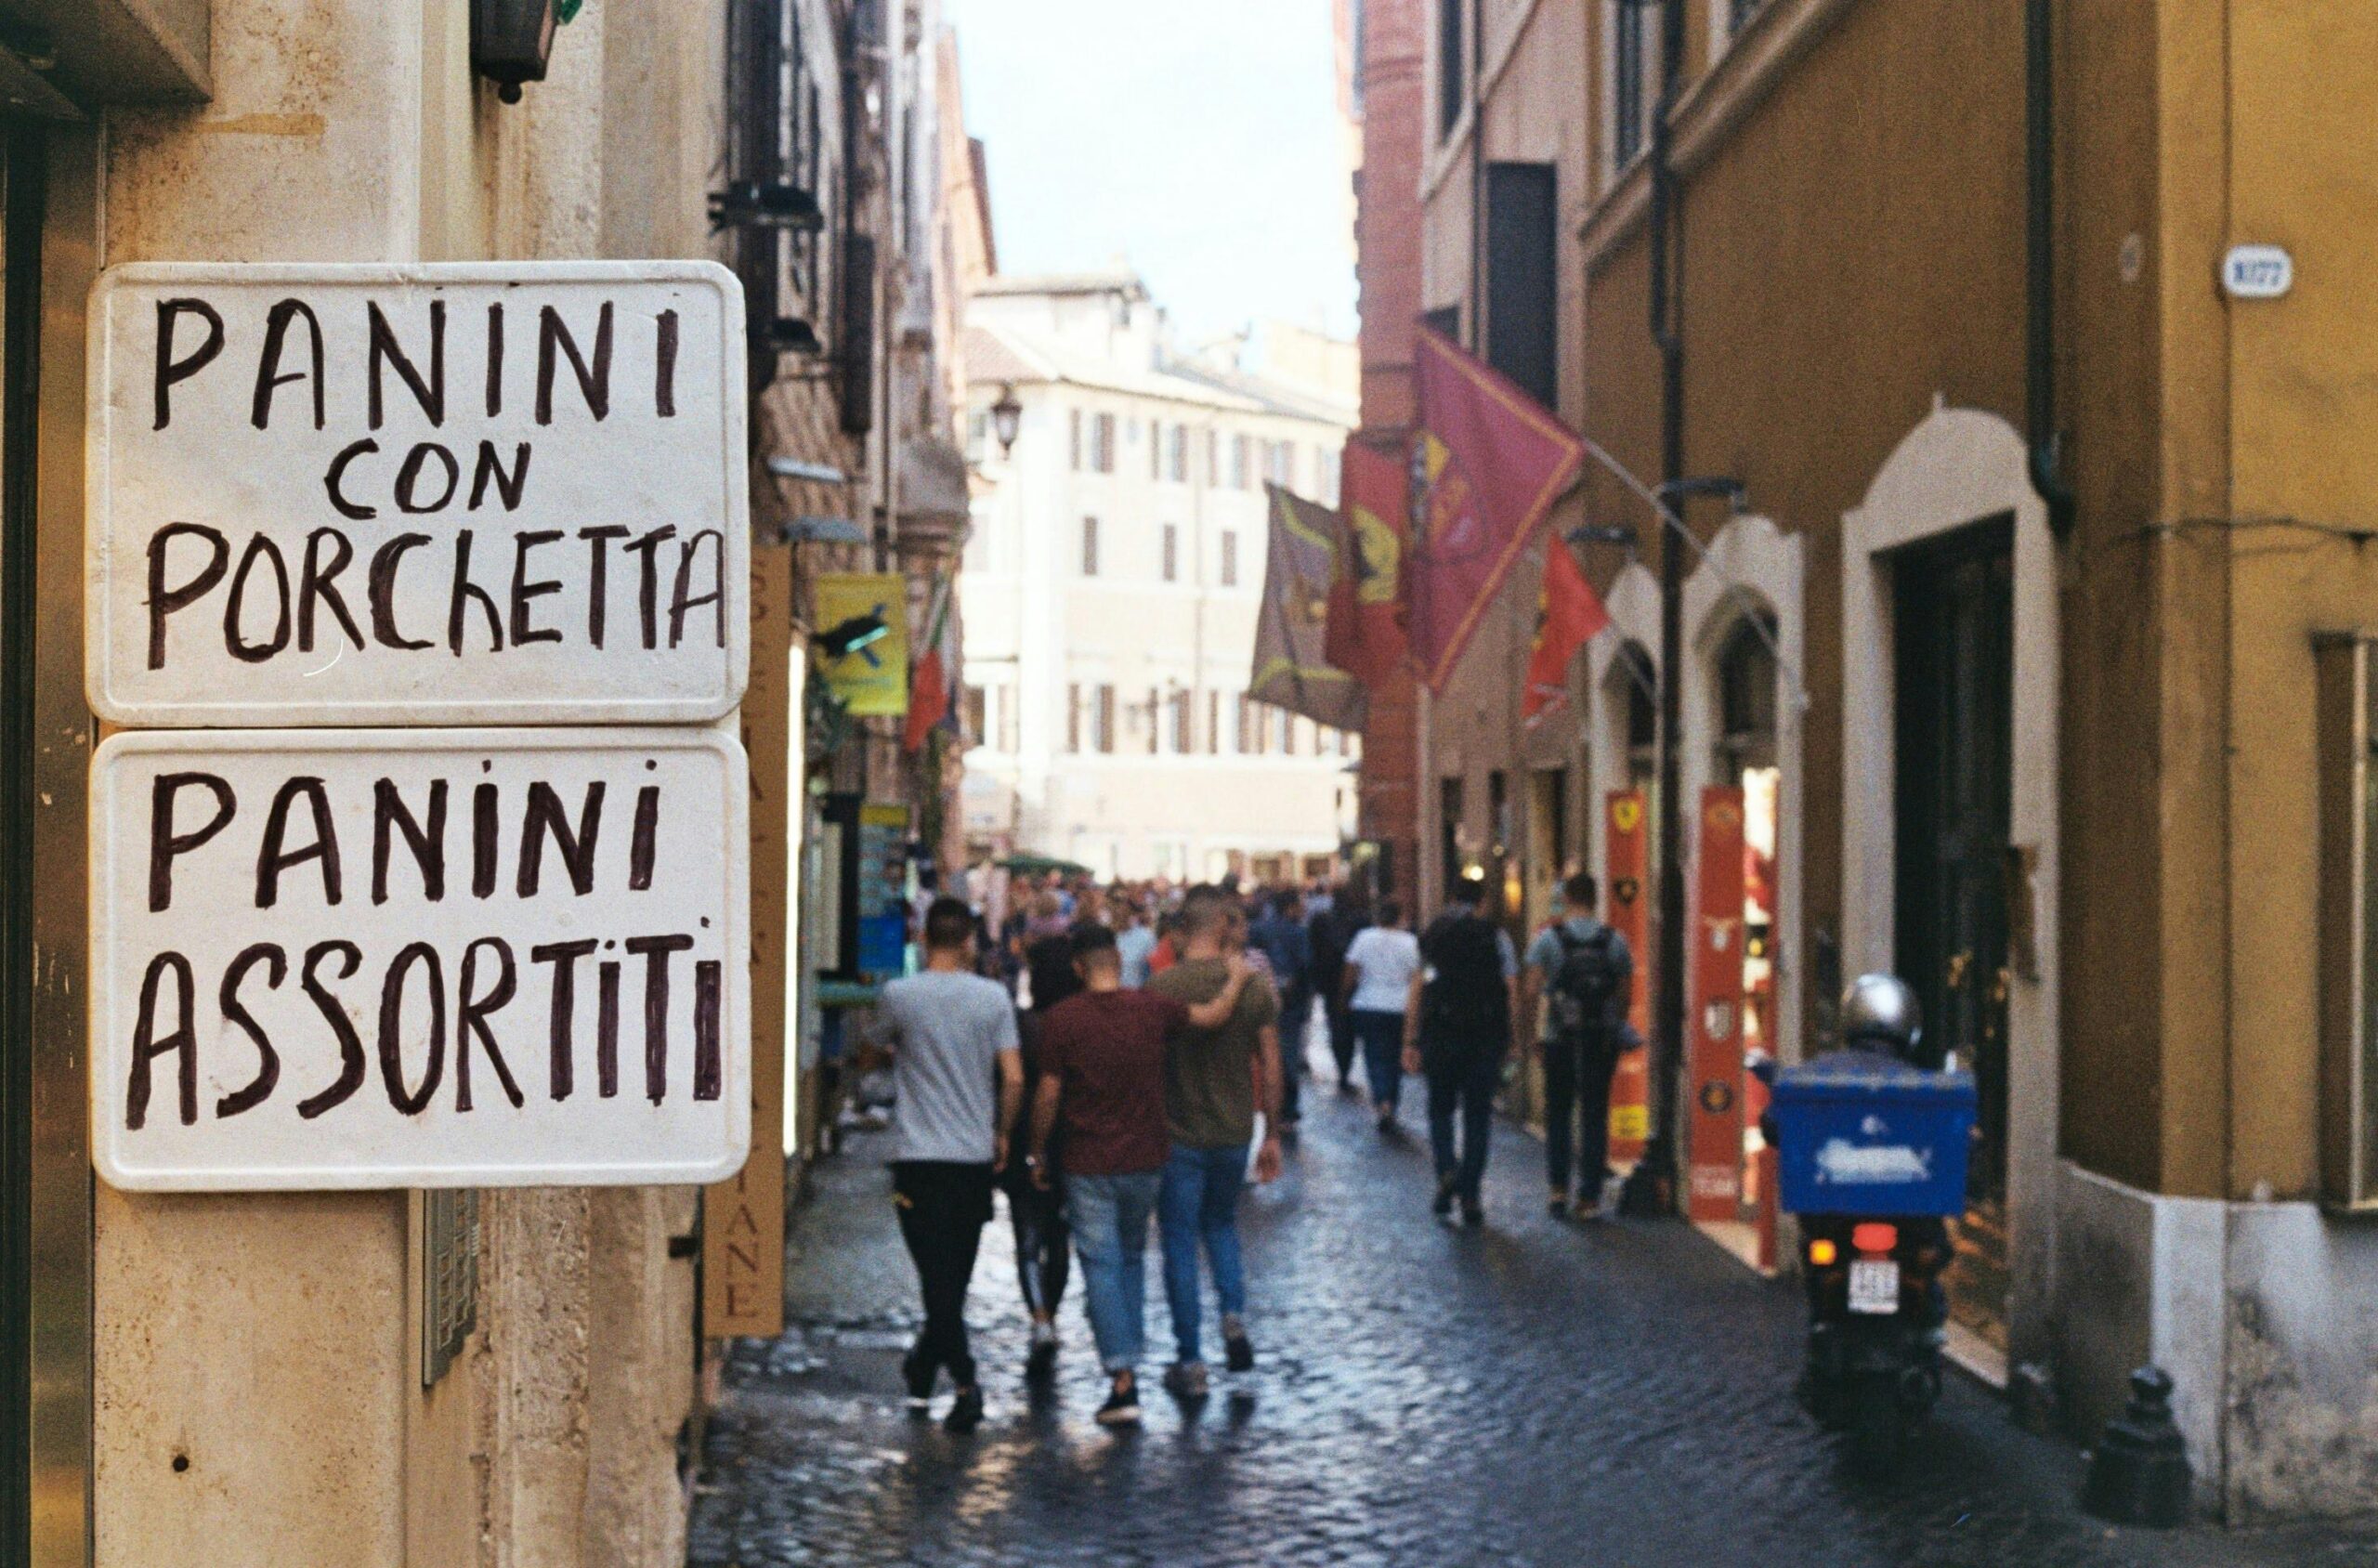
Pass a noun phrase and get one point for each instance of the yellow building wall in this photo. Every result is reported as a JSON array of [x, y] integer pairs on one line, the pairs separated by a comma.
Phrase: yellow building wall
[[2304, 410]]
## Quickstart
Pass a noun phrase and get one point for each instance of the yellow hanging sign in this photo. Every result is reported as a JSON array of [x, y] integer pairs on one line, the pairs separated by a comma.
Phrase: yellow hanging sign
[[862, 641]]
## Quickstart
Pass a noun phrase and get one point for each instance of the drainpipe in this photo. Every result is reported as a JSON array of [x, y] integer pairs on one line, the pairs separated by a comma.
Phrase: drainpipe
[[2045, 440]]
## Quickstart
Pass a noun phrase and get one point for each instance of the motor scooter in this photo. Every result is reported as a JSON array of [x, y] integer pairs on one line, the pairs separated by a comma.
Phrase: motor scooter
[[1872, 1158]]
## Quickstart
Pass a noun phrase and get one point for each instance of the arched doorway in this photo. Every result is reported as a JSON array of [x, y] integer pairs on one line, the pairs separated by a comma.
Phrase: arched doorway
[[1949, 821]]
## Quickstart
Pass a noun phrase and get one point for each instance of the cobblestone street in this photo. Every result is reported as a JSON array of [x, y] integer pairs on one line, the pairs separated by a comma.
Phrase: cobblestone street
[[1533, 1393]]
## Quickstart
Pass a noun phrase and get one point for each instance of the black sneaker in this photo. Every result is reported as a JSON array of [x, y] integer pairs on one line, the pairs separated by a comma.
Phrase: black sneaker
[[1122, 1406], [920, 1380], [1443, 1208], [1474, 1213], [1041, 1364], [965, 1412], [1559, 1207], [1238, 1353]]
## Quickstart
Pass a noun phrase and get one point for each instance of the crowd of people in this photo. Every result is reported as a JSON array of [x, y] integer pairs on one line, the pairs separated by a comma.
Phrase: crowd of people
[[1114, 1060]]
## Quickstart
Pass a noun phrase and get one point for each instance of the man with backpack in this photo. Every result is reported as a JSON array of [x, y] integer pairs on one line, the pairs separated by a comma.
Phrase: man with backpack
[[1584, 974], [1458, 1031]]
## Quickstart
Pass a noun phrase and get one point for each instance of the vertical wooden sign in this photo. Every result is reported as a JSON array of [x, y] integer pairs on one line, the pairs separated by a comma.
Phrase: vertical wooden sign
[[1713, 1026], [743, 1218], [1626, 891]]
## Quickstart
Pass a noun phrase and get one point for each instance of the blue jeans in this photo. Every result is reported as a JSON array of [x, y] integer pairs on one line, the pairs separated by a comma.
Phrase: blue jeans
[[1382, 1037], [1199, 1204], [1109, 1216]]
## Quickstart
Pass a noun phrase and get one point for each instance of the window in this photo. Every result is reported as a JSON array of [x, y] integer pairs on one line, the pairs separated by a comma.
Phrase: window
[[1627, 83], [1243, 725], [1230, 559], [1184, 724], [1213, 459], [1238, 455], [1073, 429], [1213, 724], [1287, 732], [1156, 721], [976, 711], [1073, 718], [1156, 450], [1452, 78], [1324, 469], [1179, 452], [1103, 720], [1171, 553], [1010, 724], [1102, 444], [1090, 547], [1522, 278]]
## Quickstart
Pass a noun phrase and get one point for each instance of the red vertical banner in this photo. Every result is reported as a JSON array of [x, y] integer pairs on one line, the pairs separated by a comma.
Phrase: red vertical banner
[[1625, 859], [1715, 1024]]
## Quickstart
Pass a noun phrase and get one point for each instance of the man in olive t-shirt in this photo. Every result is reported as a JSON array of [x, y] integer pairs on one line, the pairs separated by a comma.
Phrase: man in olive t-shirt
[[1215, 1081]]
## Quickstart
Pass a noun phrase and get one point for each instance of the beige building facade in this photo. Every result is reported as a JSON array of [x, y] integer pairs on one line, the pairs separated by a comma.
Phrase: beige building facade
[[389, 1377], [1113, 582]]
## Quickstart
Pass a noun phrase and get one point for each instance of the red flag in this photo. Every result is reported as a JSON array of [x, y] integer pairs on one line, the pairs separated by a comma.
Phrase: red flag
[[1489, 464], [929, 682], [1568, 613], [1365, 635]]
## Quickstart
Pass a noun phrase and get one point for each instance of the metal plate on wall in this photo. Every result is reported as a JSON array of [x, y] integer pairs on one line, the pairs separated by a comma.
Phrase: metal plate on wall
[[474, 494], [347, 958]]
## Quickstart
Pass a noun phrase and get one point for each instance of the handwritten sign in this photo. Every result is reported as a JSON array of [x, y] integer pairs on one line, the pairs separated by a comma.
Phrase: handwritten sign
[[489, 493], [421, 958]]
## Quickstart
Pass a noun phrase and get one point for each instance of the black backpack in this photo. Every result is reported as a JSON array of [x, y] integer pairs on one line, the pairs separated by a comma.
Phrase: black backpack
[[1579, 996], [1466, 999]]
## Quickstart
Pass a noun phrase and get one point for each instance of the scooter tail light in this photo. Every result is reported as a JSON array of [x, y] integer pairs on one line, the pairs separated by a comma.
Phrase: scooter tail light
[[1822, 1253], [1875, 1240]]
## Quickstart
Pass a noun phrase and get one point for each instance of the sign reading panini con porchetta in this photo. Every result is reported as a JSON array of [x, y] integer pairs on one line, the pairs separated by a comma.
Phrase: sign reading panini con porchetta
[[498, 493]]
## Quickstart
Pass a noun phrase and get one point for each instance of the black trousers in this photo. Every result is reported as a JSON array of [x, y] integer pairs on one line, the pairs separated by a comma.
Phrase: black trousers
[[1576, 1114], [1342, 1039], [1044, 1257], [1462, 1081], [943, 1209]]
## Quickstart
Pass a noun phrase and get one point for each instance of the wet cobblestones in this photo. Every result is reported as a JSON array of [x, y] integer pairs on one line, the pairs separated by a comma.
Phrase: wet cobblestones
[[1533, 1393]]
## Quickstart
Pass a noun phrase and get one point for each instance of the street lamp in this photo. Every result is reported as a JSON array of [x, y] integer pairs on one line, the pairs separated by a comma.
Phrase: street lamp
[[1007, 418]]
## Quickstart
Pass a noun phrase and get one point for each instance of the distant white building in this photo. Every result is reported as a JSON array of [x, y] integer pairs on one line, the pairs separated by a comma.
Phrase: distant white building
[[1113, 579]]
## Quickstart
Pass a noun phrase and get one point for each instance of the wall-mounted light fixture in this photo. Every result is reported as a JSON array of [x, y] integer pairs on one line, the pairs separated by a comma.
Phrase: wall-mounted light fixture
[[511, 40], [777, 203], [1007, 418]]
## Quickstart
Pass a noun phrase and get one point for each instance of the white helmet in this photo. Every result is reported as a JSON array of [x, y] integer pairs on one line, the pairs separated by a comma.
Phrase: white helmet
[[1880, 1012]]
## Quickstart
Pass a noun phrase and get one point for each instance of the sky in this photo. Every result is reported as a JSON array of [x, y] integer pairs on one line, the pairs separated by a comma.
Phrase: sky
[[1195, 139]]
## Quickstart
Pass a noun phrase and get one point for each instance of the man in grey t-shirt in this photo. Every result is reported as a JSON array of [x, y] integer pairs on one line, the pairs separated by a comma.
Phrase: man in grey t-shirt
[[959, 1082]]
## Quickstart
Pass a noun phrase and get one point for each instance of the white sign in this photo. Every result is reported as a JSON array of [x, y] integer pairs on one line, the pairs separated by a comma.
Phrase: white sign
[[428, 958], [490, 493], [2257, 272]]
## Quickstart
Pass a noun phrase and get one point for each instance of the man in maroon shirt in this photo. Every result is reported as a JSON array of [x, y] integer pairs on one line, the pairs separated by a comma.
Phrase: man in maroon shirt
[[1102, 1057]]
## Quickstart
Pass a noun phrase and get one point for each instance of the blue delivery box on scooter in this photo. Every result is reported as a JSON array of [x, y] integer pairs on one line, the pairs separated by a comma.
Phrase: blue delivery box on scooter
[[1857, 1133]]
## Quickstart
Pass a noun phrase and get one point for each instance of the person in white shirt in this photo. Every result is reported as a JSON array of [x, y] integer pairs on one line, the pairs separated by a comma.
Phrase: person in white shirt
[[1377, 987]]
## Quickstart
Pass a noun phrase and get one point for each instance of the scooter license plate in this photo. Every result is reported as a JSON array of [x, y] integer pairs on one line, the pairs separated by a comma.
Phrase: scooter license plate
[[1873, 1286]]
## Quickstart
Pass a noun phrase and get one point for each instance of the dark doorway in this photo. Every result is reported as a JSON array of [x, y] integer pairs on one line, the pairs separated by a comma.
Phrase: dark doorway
[[1954, 601]]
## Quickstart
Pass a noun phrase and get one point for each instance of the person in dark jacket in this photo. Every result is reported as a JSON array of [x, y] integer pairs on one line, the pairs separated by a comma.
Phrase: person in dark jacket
[[1329, 933], [1458, 1031], [1036, 1210]]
